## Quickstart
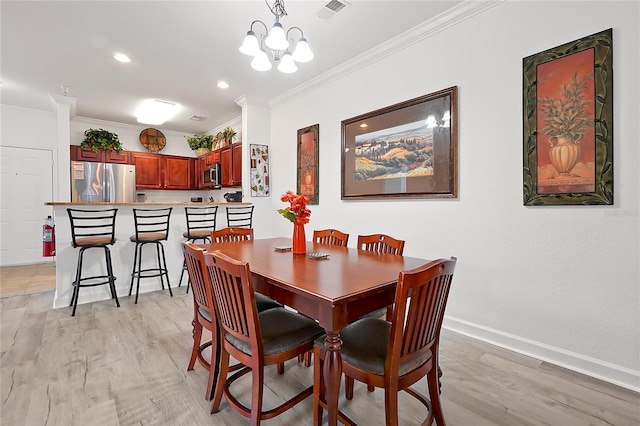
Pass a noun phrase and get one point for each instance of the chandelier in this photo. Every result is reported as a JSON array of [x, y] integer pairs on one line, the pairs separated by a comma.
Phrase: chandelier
[[278, 43]]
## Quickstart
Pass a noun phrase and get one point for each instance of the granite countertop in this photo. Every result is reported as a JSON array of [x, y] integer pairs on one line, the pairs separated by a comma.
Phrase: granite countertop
[[148, 203]]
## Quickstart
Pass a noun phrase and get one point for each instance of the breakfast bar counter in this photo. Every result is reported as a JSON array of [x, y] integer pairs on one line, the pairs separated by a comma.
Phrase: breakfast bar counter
[[122, 252]]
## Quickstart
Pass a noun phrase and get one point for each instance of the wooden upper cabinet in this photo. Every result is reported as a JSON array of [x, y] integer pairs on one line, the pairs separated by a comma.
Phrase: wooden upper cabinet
[[212, 158], [236, 156], [226, 163], [79, 154], [110, 156], [179, 172], [156, 171], [121, 157], [149, 170]]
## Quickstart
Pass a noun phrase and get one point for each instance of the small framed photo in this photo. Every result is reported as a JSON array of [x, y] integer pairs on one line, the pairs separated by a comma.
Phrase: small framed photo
[[406, 150]]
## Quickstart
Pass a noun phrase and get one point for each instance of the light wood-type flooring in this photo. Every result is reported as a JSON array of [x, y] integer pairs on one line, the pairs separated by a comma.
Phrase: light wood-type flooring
[[27, 279], [127, 366]]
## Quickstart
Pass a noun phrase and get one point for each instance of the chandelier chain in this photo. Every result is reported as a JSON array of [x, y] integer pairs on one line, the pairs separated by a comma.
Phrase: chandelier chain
[[277, 9]]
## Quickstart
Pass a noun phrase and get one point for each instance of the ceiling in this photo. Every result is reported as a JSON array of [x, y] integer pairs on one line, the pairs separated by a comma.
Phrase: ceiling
[[179, 51]]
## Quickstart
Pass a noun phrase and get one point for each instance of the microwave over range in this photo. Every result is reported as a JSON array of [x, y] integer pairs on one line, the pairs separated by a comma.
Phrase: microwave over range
[[211, 176]]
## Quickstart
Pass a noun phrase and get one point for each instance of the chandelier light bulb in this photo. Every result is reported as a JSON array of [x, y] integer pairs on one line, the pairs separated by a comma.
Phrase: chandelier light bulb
[[302, 52], [250, 44], [261, 62], [277, 39], [286, 64]]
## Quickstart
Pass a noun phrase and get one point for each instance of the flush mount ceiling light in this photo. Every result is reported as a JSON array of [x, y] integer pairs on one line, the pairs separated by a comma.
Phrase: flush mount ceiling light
[[277, 41], [156, 112], [121, 57]]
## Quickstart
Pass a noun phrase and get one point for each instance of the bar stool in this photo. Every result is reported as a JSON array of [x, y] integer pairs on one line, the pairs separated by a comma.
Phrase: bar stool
[[152, 227], [93, 229], [201, 221], [240, 217]]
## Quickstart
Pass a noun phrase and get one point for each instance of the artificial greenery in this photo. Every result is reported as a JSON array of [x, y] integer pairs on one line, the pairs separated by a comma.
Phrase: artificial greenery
[[100, 139], [200, 140], [228, 134]]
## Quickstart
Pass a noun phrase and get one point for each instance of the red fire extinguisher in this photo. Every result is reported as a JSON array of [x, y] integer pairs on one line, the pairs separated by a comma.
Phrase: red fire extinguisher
[[48, 238]]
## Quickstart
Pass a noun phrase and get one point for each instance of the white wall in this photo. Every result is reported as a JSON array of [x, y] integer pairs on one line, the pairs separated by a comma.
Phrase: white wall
[[561, 283]]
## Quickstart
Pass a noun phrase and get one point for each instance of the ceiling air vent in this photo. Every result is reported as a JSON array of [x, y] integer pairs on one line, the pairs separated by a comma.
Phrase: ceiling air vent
[[196, 118], [328, 10]]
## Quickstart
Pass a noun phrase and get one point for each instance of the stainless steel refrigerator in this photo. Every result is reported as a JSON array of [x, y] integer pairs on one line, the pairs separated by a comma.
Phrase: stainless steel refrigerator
[[102, 182]]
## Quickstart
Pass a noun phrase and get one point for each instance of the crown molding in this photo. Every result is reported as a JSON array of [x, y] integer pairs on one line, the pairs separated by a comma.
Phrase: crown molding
[[449, 18]]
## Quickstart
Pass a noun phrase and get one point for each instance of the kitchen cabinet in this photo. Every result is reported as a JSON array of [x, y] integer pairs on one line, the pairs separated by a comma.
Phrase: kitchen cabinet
[[179, 172], [149, 170], [110, 156], [231, 162], [156, 171]]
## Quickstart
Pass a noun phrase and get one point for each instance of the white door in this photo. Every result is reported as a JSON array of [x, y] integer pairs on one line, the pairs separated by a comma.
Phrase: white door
[[26, 184]]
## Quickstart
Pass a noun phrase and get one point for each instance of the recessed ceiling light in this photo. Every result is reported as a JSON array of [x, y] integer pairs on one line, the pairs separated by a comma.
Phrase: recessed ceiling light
[[223, 84], [121, 57]]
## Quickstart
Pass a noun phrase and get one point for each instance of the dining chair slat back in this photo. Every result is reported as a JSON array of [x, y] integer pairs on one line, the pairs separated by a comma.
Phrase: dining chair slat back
[[381, 243], [331, 237], [231, 234]]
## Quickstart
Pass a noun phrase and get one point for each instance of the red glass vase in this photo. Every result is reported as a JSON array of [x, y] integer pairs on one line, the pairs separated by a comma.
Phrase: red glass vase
[[299, 239]]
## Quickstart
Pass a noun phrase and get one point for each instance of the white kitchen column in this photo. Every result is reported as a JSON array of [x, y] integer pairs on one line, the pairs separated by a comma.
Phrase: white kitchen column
[[65, 110], [256, 129]]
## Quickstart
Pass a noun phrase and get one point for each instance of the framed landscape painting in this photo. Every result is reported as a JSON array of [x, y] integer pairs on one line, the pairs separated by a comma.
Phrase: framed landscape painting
[[568, 123], [406, 150]]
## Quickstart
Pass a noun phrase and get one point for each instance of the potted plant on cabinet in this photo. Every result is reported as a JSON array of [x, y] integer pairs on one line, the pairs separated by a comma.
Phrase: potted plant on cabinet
[[228, 134], [200, 143], [100, 139]]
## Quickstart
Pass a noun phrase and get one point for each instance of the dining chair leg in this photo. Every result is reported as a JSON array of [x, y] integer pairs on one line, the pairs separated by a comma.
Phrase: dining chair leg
[[197, 337], [224, 371], [434, 395], [391, 404], [257, 375], [318, 387], [371, 388], [348, 387], [281, 368]]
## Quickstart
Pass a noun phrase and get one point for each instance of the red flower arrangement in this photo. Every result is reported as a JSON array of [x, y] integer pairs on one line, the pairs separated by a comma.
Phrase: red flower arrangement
[[297, 211]]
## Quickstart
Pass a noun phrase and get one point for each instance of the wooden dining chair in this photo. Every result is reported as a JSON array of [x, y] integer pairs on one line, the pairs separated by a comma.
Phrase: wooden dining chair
[[203, 311], [381, 243], [255, 339], [230, 234], [395, 355], [331, 237]]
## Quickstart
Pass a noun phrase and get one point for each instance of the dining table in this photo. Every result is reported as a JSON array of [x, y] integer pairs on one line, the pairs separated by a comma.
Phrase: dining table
[[333, 285]]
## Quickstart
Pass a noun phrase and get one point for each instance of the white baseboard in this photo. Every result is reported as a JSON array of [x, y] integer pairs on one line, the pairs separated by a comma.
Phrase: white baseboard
[[615, 374]]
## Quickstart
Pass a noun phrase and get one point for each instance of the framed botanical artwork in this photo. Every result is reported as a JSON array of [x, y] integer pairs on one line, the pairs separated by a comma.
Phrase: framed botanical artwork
[[568, 123], [308, 162], [259, 170], [406, 150]]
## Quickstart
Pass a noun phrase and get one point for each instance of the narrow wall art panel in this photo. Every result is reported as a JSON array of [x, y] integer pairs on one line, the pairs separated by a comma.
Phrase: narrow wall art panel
[[259, 170]]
